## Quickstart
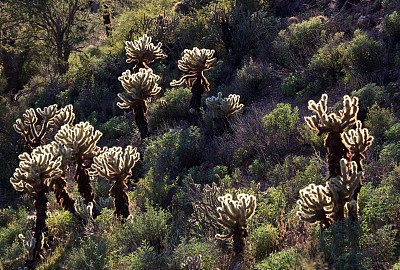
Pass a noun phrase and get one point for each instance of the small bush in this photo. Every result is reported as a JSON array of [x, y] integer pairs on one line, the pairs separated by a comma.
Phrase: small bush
[[378, 121], [265, 240], [145, 257], [282, 119], [88, 255], [117, 127], [61, 224], [368, 96], [391, 25], [271, 206], [285, 259], [208, 250]]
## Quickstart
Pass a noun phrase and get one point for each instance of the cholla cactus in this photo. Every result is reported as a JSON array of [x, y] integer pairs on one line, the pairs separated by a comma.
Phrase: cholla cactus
[[84, 211], [143, 51], [224, 107], [233, 215], [192, 263], [34, 132], [81, 139], [341, 188], [334, 125], [28, 243], [116, 166], [193, 63], [140, 88], [105, 203], [35, 174], [315, 205], [358, 140]]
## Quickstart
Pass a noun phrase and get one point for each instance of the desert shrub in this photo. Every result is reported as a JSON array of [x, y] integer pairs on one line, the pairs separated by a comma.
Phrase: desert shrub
[[173, 151], [61, 224], [363, 58], [379, 206], [390, 152], [271, 206], [209, 252], [172, 108], [299, 42], [259, 169], [285, 259], [391, 25], [351, 260], [293, 84], [368, 96], [379, 247], [252, 79], [117, 127], [265, 240], [378, 121], [89, 254], [145, 257], [282, 119], [341, 241], [101, 187], [309, 137]]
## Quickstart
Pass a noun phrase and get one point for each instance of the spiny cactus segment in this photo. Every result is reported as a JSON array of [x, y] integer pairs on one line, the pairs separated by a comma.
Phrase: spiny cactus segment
[[84, 211], [28, 243], [34, 132], [233, 215], [140, 87], [224, 107], [193, 63], [116, 166], [315, 205], [192, 263], [143, 51]]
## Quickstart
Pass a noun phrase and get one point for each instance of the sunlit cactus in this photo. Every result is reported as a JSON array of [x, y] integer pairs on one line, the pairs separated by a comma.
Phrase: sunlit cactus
[[315, 205], [84, 211], [233, 215], [28, 243], [193, 63], [33, 131], [35, 175], [192, 263], [341, 188], [224, 107], [82, 140], [143, 51], [140, 88], [116, 166], [333, 124]]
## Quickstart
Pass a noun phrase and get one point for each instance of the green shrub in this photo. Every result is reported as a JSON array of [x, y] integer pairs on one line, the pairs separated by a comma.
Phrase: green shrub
[[117, 127], [282, 120], [391, 25], [390, 152], [352, 260], [173, 151], [87, 255], [265, 240], [145, 257], [61, 224], [271, 206], [170, 109], [368, 96], [299, 42], [209, 251], [258, 169], [293, 84], [283, 260], [378, 121]]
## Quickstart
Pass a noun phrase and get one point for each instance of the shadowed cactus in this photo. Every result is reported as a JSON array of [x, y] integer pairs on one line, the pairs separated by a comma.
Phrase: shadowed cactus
[[34, 132], [315, 205], [192, 263], [116, 166], [144, 52], [233, 215], [84, 211], [140, 87], [222, 109], [334, 125], [28, 243], [82, 140], [193, 63], [358, 140], [35, 175]]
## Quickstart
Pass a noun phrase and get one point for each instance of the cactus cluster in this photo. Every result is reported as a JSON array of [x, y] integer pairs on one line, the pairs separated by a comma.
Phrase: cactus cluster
[[84, 211], [193, 63], [233, 215], [116, 166], [33, 131], [224, 107], [28, 243], [192, 263], [143, 51]]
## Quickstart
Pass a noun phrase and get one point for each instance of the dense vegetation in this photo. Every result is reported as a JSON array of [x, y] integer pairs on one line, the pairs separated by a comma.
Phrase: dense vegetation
[[176, 135]]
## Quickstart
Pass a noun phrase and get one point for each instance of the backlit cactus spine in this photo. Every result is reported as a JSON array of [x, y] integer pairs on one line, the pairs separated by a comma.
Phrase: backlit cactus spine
[[193, 63], [116, 166], [233, 215], [82, 140], [144, 52], [222, 109], [140, 88], [35, 175]]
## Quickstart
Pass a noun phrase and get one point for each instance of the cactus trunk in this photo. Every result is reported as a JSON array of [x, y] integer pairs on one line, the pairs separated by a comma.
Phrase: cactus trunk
[[139, 110], [239, 242], [358, 158], [336, 151], [62, 196], [121, 201], [82, 178], [197, 92]]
